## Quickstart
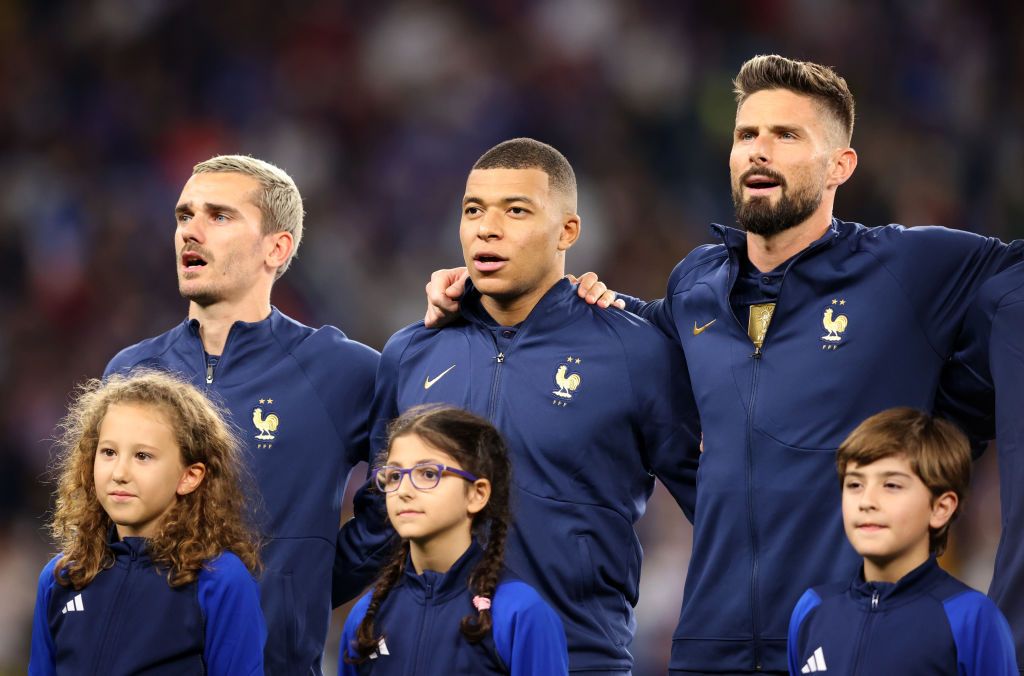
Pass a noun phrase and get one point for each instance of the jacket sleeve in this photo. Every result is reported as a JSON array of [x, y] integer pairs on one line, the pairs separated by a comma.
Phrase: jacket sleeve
[[348, 635], [808, 602], [353, 572], [43, 660], [528, 635], [363, 545], [235, 629], [666, 412], [940, 270], [984, 645]]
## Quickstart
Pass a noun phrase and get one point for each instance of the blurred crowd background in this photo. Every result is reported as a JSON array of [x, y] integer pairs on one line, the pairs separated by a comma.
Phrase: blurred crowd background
[[378, 109]]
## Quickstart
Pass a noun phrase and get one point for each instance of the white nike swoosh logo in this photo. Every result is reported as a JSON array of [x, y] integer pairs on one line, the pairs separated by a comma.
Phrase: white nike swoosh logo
[[429, 382]]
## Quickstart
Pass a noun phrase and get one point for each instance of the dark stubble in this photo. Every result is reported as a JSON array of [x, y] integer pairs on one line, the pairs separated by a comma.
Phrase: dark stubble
[[758, 216]]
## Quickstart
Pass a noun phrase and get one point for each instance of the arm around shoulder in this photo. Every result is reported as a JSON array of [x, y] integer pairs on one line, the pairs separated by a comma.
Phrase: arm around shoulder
[[528, 634], [235, 629]]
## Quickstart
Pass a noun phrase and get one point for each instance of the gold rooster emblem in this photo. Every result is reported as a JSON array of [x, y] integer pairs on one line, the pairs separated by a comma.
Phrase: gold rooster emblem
[[834, 326], [266, 426], [567, 382]]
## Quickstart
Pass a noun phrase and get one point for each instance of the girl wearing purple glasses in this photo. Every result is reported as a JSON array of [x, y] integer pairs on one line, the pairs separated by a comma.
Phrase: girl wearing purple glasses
[[444, 602]]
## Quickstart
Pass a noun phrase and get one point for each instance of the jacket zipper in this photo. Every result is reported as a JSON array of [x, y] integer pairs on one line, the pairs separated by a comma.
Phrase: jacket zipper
[[755, 620], [115, 616], [861, 637], [493, 403], [428, 601]]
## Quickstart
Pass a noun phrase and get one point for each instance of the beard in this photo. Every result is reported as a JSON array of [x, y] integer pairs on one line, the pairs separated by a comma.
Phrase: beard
[[759, 216]]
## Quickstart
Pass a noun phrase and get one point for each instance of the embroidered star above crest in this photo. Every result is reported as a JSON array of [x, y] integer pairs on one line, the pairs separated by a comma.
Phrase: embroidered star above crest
[[263, 401]]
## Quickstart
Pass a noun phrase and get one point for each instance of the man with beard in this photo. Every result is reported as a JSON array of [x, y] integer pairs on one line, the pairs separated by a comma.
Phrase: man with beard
[[298, 395], [795, 329]]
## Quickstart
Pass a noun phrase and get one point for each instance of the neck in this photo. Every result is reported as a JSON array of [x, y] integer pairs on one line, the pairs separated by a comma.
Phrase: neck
[[215, 320], [440, 552], [892, 570], [768, 253], [512, 311]]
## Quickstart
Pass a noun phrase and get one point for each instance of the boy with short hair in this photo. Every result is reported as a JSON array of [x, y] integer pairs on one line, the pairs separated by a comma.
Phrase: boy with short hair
[[903, 475]]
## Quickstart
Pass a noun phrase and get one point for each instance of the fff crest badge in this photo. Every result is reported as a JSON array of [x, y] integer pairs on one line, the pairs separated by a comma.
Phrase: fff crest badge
[[567, 380], [265, 424], [835, 323]]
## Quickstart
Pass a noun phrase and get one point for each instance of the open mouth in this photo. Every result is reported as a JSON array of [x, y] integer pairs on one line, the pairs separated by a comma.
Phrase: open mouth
[[488, 262], [191, 260], [761, 182]]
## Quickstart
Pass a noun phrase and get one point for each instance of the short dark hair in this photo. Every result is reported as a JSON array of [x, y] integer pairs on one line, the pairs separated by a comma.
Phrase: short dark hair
[[821, 83], [938, 453], [528, 153]]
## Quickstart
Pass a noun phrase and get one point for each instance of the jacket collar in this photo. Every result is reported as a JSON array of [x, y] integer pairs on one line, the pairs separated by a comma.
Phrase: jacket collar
[[735, 240], [126, 549], [442, 586], [551, 310], [911, 585], [245, 342]]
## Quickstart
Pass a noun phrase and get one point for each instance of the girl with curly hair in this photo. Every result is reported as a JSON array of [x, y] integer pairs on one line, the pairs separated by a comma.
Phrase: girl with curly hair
[[157, 557], [444, 602]]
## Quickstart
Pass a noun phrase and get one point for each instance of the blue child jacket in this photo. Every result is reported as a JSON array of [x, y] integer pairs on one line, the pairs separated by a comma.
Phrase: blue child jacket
[[927, 623], [129, 620], [420, 621]]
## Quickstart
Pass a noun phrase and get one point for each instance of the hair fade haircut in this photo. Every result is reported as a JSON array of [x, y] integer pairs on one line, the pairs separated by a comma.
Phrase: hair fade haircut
[[819, 82], [480, 450], [200, 526], [278, 197], [528, 153], [938, 453]]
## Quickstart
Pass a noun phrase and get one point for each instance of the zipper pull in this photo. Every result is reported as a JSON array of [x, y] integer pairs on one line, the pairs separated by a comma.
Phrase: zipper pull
[[874, 600], [209, 373], [757, 352], [501, 357]]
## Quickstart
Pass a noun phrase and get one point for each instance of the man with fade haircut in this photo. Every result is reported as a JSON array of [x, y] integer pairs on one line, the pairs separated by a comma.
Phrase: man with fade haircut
[[594, 404], [298, 395], [795, 328]]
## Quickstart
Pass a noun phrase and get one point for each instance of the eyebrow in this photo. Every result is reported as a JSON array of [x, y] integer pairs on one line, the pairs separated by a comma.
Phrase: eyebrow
[[861, 475], [774, 128], [424, 461], [209, 207], [471, 199]]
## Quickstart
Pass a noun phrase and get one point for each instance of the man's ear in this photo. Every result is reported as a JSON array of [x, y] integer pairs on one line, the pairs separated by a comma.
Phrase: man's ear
[[844, 163], [191, 478], [570, 231], [279, 247]]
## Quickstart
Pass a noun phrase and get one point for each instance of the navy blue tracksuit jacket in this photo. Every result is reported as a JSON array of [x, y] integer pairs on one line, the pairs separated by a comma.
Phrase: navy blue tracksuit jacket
[[420, 619], [593, 404], [984, 388], [927, 624], [299, 398], [864, 320], [129, 620]]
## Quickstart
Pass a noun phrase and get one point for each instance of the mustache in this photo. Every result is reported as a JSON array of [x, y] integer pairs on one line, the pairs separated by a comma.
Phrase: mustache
[[195, 248], [766, 172]]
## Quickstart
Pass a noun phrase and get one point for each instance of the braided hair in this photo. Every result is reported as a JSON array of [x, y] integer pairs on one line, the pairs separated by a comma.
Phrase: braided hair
[[479, 449]]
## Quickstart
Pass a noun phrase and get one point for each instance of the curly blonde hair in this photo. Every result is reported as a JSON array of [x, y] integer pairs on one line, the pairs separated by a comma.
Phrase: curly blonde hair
[[199, 527]]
